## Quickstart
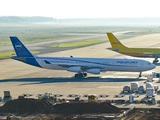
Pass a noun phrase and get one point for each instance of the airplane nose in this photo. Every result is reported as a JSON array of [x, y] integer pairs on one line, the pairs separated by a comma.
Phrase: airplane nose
[[153, 66]]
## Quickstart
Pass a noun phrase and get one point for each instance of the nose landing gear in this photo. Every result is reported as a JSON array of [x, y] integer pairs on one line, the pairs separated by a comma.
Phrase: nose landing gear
[[140, 74]]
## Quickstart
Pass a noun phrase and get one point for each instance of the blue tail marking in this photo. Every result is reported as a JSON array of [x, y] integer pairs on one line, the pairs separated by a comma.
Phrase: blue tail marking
[[19, 48], [23, 54]]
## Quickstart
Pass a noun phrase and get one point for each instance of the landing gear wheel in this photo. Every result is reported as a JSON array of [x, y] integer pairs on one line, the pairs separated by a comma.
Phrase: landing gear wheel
[[76, 75], [79, 75], [85, 74], [155, 61], [140, 75]]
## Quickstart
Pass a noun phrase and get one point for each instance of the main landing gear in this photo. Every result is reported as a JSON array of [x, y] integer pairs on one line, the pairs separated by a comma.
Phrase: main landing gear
[[155, 61], [80, 75]]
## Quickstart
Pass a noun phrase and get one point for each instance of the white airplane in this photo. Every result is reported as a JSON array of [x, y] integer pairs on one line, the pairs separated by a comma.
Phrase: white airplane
[[81, 66]]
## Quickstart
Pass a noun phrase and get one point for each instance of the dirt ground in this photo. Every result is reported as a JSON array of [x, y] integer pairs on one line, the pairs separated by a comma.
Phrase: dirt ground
[[136, 114], [143, 114], [27, 109], [45, 109]]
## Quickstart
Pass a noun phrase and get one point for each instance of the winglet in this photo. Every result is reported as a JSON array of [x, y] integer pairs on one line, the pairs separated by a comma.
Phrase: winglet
[[19, 48], [115, 43]]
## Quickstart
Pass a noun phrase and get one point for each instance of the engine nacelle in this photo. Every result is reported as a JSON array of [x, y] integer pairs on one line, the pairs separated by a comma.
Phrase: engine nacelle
[[74, 69], [94, 71]]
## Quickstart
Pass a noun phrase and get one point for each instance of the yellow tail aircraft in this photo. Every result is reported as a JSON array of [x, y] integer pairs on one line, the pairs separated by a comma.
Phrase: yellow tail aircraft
[[136, 52]]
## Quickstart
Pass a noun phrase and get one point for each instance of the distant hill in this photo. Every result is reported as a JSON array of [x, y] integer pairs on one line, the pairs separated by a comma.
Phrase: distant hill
[[16, 19], [83, 21], [114, 21]]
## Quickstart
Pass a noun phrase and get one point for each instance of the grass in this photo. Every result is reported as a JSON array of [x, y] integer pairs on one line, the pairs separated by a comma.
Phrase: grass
[[79, 43], [8, 54], [5, 41], [31, 33]]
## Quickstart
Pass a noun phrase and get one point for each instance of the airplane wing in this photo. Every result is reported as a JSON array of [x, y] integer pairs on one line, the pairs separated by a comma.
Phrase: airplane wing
[[114, 49], [66, 65], [150, 54]]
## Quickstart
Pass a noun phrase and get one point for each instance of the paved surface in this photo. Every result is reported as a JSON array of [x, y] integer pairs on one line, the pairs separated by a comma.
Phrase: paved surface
[[20, 78]]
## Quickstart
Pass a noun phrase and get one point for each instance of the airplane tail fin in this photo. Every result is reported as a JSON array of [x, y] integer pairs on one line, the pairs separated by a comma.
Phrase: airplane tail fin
[[115, 43], [19, 48]]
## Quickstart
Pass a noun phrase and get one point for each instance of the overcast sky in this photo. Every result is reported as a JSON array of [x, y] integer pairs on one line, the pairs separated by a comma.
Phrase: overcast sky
[[80, 8]]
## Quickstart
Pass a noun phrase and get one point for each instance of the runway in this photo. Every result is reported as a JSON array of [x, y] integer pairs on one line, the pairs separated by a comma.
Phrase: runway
[[15, 69], [72, 79], [21, 78]]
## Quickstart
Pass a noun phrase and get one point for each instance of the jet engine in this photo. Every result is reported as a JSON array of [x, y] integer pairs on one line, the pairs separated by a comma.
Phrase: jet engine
[[94, 71], [74, 69]]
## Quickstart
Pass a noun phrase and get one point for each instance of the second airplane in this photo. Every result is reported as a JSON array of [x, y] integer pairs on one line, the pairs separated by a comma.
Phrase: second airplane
[[135, 52]]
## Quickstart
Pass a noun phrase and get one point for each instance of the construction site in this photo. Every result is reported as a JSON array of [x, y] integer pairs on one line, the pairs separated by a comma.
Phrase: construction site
[[49, 107], [132, 103]]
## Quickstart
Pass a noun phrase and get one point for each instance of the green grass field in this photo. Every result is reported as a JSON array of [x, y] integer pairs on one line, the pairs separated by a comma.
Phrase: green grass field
[[29, 33], [34, 33], [79, 43], [5, 41], [8, 54]]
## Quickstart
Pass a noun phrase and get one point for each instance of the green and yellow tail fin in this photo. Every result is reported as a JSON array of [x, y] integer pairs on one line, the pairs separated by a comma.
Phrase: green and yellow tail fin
[[115, 43]]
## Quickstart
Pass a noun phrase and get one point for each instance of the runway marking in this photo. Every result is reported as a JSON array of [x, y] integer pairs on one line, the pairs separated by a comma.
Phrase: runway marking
[[109, 76], [50, 76], [109, 87], [122, 73]]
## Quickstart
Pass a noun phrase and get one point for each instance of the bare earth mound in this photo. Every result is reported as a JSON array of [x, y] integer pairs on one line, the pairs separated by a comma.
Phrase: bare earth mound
[[27, 106], [34, 106], [143, 114], [81, 108]]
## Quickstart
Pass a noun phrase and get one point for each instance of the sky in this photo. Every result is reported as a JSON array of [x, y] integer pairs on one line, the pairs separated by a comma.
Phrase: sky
[[81, 8]]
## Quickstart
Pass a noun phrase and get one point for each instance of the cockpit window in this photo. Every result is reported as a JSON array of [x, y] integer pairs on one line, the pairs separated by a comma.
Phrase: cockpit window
[[149, 63]]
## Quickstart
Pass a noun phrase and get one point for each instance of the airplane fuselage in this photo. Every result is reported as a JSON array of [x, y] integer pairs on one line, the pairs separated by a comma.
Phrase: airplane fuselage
[[103, 64], [81, 66], [140, 52], [135, 52]]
